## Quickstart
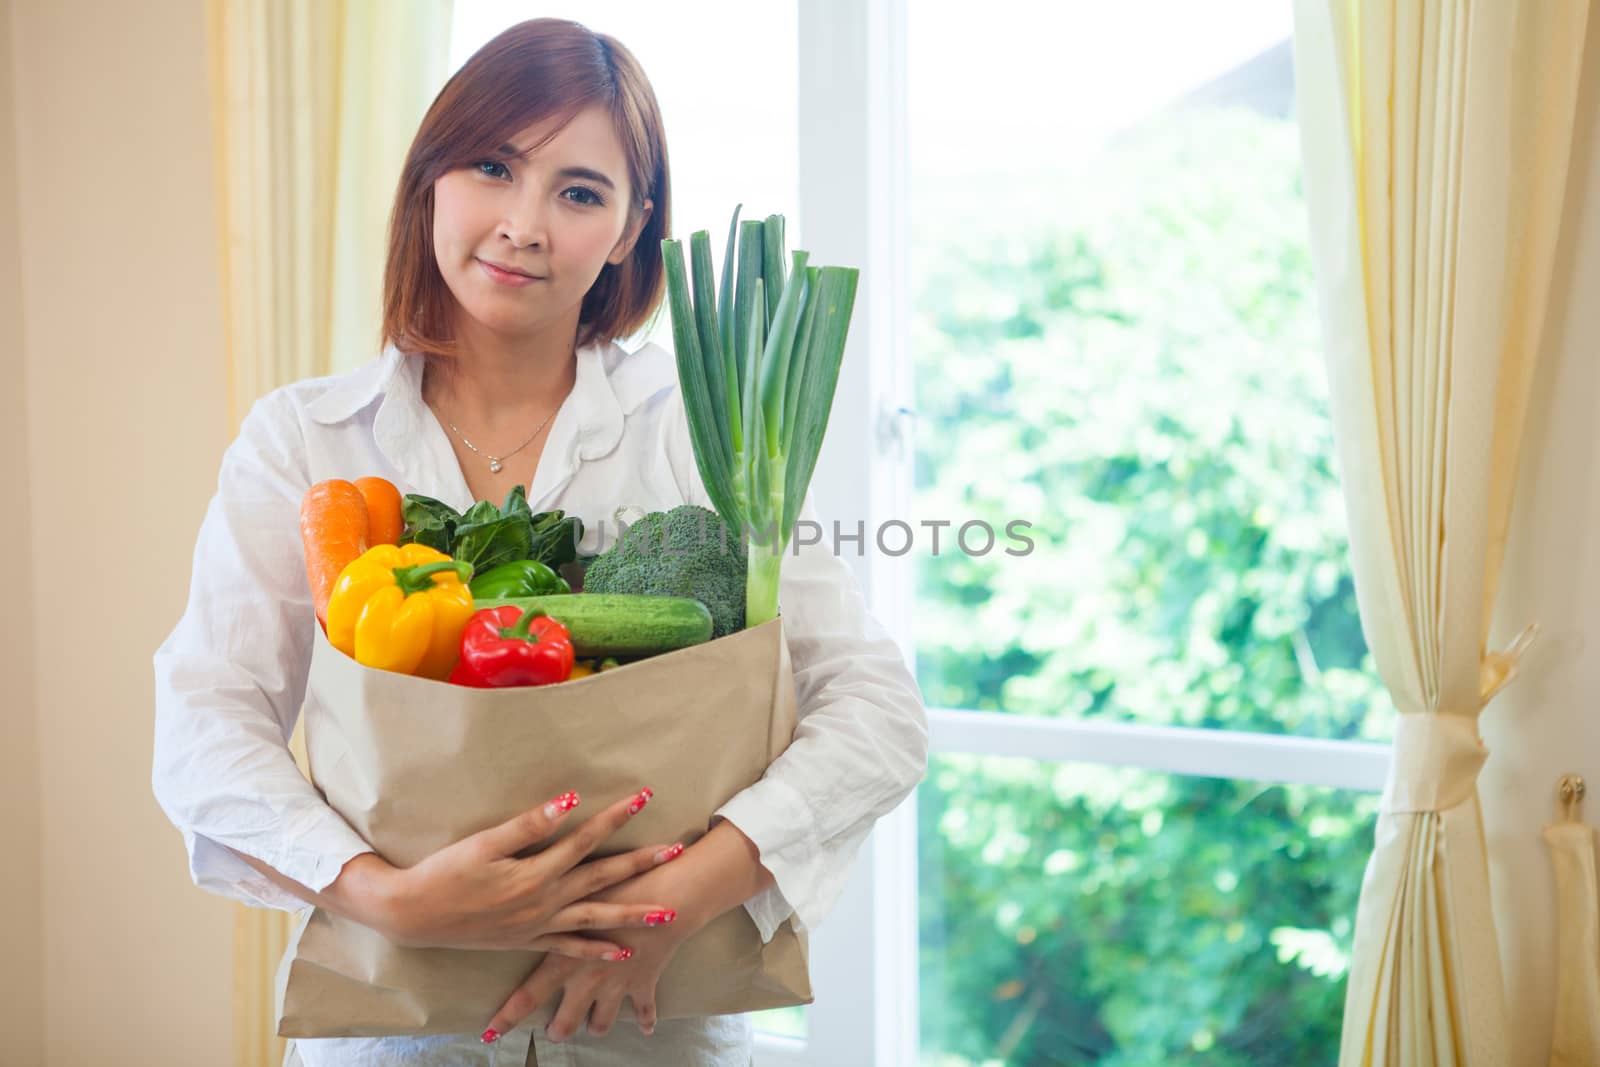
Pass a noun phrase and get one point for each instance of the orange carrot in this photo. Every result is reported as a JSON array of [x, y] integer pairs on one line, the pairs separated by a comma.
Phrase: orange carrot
[[333, 528], [384, 524]]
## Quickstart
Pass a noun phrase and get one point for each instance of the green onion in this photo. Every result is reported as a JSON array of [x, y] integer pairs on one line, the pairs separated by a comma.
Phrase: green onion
[[758, 364]]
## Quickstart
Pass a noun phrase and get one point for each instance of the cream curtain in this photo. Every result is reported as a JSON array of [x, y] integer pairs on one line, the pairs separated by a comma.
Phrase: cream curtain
[[1436, 136], [1575, 1041], [314, 104]]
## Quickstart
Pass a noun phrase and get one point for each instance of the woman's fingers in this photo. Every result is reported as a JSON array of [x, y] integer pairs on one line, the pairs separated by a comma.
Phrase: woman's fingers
[[570, 850], [588, 878], [644, 1010], [576, 997], [581, 948], [597, 916], [545, 981], [604, 1012], [528, 827]]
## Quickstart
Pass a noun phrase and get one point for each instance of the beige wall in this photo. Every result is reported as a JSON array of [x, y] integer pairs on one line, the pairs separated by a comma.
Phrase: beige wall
[[111, 426], [21, 947], [1548, 723], [121, 371]]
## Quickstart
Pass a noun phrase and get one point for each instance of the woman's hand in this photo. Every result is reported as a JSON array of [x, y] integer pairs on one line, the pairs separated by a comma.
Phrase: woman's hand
[[592, 993], [477, 894], [720, 871]]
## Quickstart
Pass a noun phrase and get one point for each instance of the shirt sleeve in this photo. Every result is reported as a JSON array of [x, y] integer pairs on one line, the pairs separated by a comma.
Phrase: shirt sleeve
[[861, 745], [231, 676]]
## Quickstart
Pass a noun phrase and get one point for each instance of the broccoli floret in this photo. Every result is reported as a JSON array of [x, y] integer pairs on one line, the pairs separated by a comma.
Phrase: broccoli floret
[[687, 551]]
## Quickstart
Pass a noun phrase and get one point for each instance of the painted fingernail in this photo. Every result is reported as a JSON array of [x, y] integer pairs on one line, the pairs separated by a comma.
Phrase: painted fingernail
[[490, 1036], [669, 853], [659, 918], [561, 805], [620, 955], [640, 801]]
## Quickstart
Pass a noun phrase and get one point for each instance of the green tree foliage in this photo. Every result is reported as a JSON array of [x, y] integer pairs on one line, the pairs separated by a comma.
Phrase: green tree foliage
[[1136, 373]]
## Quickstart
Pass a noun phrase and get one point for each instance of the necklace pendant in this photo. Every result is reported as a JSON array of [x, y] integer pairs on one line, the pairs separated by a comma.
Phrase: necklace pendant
[[494, 465]]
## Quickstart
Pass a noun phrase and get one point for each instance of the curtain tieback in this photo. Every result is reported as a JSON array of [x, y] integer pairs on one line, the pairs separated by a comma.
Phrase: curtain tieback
[[1435, 764], [1437, 755]]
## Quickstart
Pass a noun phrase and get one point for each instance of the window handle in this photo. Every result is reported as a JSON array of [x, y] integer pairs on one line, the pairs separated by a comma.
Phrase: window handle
[[896, 430]]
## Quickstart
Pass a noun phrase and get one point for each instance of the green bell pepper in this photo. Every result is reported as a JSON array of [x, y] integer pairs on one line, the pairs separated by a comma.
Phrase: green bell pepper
[[523, 577]]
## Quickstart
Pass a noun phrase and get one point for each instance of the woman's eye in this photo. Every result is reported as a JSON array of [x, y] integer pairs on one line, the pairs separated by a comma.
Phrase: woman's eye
[[586, 195], [482, 163]]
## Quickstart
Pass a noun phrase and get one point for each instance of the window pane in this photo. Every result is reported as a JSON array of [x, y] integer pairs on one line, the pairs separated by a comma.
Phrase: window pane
[[730, 109], [1115, 339], [785, 1022], [1076, 914]]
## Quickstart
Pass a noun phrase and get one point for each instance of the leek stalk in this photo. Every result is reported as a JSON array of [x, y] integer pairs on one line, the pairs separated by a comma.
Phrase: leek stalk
[[758, 364]]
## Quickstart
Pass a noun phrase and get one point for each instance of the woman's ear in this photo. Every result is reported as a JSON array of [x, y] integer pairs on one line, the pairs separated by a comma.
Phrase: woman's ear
[[630, 236]]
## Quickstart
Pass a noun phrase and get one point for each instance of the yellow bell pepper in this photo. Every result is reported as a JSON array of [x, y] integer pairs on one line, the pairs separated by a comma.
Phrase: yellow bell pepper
[[401, 608]]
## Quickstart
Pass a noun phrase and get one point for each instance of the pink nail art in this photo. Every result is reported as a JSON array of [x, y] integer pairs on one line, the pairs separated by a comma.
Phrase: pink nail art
[[490, 1036], [669, 853], [620, 955], [640, 801], [659, 918], [560, 805]]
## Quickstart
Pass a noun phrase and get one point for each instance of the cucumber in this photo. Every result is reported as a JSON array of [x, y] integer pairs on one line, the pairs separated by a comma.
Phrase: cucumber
[[620, 624]]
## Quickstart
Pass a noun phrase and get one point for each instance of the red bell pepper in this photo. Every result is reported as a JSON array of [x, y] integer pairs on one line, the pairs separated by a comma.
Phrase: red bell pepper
[[506, 646]]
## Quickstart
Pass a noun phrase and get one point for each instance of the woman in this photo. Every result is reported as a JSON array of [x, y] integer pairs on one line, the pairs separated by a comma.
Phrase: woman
[[525, 239]]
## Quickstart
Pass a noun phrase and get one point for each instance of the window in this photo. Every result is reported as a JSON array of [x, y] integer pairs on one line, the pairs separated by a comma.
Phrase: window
[[1113, 335]]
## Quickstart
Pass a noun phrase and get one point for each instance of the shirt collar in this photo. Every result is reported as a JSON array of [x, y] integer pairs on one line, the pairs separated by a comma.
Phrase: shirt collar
[[352, 392], [610, 382]]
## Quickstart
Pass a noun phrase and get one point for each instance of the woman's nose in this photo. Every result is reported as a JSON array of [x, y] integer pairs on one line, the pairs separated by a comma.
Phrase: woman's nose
[[525, 227]]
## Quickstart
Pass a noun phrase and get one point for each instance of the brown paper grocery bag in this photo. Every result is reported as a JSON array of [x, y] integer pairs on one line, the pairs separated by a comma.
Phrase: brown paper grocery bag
[[415, 765]]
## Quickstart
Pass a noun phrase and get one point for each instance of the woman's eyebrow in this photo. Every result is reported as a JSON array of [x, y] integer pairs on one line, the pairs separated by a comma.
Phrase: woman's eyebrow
[[590, 175], [510, 152]]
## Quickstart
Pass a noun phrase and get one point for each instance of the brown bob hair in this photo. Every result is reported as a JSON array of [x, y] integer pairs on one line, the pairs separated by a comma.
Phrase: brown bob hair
[[534, 71]]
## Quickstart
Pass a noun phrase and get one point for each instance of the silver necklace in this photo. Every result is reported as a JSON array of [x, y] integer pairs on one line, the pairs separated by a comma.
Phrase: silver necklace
[[497, 462]]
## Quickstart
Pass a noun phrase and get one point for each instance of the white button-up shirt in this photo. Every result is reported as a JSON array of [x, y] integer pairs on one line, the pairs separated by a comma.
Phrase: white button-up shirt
[[231, 677]]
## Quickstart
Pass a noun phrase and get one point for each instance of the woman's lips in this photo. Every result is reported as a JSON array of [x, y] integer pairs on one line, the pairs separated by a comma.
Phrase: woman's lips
[[504, 277]]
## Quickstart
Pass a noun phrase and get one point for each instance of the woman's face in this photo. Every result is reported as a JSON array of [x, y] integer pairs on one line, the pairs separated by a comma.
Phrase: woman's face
[[557, 215]]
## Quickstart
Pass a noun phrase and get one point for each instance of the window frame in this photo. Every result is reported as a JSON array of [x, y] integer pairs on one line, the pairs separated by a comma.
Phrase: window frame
[[852, 159]]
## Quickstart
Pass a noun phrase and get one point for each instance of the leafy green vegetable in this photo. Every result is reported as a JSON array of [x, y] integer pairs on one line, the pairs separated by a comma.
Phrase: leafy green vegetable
[[488, 540], [428, 522], [487, 536], [556, 537], [517, 503], [482, 511]]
